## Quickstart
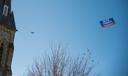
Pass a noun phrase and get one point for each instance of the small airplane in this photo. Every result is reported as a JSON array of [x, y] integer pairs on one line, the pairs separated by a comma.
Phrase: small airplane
[[32, 32]]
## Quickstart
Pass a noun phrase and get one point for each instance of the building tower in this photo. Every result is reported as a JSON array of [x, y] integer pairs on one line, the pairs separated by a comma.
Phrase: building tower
[[7, 33]]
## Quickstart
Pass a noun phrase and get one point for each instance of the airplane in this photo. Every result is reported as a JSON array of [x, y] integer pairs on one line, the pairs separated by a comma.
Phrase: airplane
[[32, 32]]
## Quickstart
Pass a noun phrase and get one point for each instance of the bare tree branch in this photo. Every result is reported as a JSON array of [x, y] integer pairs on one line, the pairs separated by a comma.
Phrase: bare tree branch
[[60, 64]]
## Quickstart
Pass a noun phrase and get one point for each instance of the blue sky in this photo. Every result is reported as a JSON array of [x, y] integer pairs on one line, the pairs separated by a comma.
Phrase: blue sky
[[74, 23]]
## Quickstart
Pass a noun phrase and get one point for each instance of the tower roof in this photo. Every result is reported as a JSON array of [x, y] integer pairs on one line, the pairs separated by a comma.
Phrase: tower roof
[[8, 19]]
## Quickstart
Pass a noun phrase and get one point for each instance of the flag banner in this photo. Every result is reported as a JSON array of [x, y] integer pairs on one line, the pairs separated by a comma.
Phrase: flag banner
[[108, 22]]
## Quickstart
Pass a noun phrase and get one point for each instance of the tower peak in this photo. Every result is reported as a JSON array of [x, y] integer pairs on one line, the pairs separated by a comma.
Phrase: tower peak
[[6, 15], [5, 7]]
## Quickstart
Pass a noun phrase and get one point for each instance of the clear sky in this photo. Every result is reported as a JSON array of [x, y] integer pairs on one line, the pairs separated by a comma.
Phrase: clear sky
[[75, 23]]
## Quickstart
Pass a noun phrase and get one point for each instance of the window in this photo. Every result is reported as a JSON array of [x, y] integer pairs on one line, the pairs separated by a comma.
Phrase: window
[[5, 10]]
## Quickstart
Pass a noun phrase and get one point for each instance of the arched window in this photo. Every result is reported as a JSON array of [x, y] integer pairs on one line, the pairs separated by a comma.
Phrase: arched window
[[5, 10], [1, 51]]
